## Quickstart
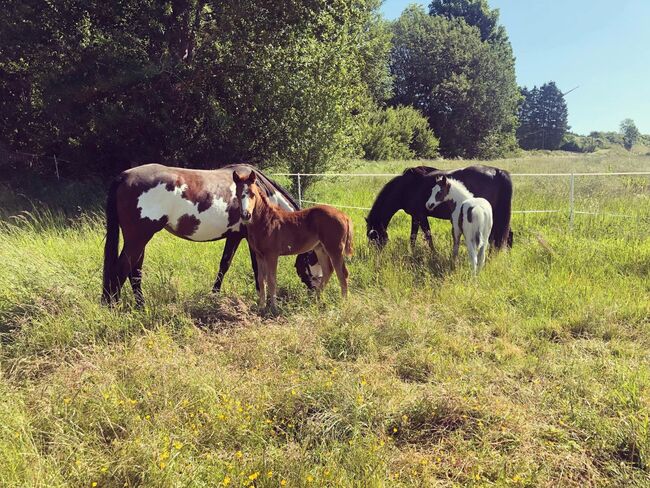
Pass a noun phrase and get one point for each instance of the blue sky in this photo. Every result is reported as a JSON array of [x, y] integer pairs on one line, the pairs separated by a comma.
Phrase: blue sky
[[602, 46]]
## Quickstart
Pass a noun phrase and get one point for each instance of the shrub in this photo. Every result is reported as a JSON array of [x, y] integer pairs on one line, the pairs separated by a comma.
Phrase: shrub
[[579, 144], [398, 133]]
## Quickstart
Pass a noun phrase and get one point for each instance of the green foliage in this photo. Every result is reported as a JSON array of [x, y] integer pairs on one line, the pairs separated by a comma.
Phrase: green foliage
[[543, 117], [398, 133], [464, 86], [476, 13], [578, 143], [630, 133], [193, 83]]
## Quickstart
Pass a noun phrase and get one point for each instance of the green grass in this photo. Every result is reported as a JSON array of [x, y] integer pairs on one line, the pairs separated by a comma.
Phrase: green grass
[[535, 374]]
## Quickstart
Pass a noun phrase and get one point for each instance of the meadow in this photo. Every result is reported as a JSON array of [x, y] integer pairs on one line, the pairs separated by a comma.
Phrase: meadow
[[534, 374]]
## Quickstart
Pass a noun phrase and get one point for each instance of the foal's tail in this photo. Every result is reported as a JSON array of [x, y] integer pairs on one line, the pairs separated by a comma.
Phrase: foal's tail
[[112, 241], [349, 248]]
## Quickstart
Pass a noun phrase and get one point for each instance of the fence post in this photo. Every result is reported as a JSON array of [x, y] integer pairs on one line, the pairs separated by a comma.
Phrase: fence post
[[299, 192], [571, 197]]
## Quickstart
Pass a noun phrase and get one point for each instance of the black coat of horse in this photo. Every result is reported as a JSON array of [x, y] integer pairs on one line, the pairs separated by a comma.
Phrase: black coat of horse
[[410, 190], [197, 205]]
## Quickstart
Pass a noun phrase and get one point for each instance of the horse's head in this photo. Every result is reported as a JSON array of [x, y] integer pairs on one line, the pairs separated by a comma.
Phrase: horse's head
[[439, 192], [377, 233], [309, 270], [247, 193]]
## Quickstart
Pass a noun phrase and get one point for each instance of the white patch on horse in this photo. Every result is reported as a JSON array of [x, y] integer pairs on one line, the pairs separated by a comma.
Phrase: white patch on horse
[[159, 202], [279, 200]]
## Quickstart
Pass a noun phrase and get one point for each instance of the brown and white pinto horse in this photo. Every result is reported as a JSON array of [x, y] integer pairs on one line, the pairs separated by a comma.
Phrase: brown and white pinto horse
[[273, 232], [198, 205]]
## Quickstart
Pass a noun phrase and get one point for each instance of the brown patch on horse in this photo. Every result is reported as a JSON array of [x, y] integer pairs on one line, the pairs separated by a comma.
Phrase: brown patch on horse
[[444, 189], [187, 225], [200, 197]]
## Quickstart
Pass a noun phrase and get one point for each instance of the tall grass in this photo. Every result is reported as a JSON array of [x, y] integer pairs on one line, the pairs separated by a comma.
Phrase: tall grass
[[535, 374]]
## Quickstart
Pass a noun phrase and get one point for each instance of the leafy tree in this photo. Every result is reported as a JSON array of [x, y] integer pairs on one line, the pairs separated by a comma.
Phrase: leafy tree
[[190, 82], [630, 133], [398, 133], [543, 117], [476, 13], [464, 86]]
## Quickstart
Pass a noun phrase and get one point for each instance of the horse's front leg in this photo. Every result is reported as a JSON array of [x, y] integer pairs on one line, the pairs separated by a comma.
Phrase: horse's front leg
[[415, 224], [232, 243], [426, 230], [456, 234], [271, 272]]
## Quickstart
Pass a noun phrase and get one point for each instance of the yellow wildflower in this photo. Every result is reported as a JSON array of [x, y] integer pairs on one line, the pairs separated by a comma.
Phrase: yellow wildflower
[[269, 474], [253, 476], [239, 454], [310, 478], [283, 482], [178, 445], [226, 481]]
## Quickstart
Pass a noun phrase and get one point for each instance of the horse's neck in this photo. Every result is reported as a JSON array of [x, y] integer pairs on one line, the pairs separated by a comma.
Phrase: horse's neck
[[383, 211], [458, 192]]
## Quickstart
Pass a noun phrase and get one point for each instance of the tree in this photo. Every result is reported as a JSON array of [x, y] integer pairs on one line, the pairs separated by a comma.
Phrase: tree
[[190, 82], [476, 13], [543, 117], [464, 86], [630, 133]]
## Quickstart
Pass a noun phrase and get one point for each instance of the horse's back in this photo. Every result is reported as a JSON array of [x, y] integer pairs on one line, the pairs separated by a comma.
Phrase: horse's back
[[193, 204]]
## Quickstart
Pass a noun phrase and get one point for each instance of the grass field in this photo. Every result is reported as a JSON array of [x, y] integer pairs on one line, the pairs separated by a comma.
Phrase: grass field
[[535, 374]]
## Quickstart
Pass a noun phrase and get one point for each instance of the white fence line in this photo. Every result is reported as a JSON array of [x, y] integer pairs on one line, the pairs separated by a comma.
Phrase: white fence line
[[572, 212]]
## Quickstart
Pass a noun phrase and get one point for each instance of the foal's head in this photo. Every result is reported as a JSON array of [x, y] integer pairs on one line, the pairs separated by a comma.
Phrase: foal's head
[[247, 194], [439, 192]]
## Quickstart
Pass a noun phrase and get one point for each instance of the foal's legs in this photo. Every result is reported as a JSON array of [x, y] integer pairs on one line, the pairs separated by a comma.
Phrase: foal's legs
[[261, 281], [232, 243], [481, 255], [325, 264], [271, 266], [341, 271]]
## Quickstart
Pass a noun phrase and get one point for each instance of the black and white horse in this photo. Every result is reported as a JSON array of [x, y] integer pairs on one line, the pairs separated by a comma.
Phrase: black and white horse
[[410, 191], [197, 205]]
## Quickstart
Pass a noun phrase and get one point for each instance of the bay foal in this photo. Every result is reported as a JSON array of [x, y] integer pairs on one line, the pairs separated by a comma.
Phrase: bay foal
[[273, 232], [470, 217]]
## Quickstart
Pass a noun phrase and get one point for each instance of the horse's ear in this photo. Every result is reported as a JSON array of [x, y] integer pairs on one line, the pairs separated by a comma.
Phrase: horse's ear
[[252, 177], [235, 177], [442, 179]]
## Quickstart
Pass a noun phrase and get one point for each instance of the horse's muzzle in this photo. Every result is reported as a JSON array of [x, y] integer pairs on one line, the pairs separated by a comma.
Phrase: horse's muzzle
[[246, 217]]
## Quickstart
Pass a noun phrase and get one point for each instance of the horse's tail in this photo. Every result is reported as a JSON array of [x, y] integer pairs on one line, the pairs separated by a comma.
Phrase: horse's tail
[[502, 210], [112, 241], [349, 245]]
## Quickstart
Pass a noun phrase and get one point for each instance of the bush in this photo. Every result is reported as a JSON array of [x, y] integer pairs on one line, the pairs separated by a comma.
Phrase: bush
[[579, 144], [398, 133]]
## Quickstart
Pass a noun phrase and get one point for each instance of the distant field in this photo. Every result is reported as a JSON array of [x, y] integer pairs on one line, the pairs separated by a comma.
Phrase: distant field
[[535, 374]]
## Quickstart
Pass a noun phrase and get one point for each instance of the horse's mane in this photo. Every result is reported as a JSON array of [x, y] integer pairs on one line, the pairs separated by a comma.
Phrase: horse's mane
[[378, 210], [269, 184]]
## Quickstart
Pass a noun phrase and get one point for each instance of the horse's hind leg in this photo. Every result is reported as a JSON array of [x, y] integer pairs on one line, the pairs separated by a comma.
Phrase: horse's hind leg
[[341, 272], [325, 264], [135, 277], [232, 243]]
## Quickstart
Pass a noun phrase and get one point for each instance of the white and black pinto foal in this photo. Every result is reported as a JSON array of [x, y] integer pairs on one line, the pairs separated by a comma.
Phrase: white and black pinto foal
[[470, 217]]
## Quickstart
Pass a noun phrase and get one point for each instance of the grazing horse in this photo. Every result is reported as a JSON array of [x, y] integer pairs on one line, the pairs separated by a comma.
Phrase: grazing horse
[[470, 217], [197, 205], [274, 232], [409, 190]]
